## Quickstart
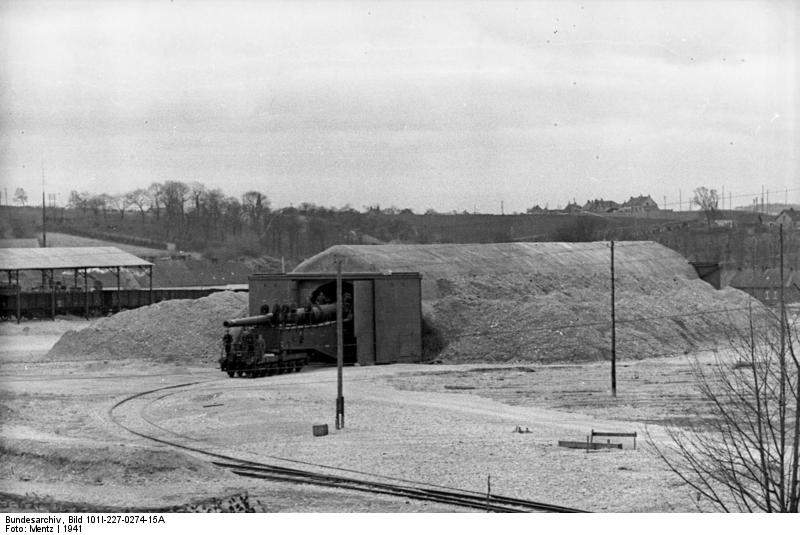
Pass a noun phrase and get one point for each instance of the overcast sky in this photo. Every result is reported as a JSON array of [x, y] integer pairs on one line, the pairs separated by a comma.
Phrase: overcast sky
[[426, 104]]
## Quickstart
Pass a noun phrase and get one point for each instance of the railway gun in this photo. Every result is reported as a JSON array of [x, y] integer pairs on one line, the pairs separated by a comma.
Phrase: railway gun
[[285, 339]]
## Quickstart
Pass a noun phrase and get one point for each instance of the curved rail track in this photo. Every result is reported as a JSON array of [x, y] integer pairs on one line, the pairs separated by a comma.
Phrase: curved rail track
[[409, 489]]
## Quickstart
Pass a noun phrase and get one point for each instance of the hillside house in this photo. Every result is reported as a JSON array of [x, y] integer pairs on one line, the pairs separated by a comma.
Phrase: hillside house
[[788, 219], [600, 206], [764, 284], [640, 204], [536, 210], [751, 222]]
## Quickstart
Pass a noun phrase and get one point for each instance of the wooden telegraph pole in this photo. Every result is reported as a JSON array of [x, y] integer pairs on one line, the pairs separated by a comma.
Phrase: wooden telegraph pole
[[613, 330], [44, 213], [44, 223], [783, 309], [339, 348]]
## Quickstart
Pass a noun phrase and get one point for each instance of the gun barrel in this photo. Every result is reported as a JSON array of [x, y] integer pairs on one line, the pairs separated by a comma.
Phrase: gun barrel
[[319, 313], [252, 320]]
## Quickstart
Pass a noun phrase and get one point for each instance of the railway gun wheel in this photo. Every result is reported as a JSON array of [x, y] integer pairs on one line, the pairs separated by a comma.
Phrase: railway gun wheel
[[270, 369], [239, 373], [231, 373]]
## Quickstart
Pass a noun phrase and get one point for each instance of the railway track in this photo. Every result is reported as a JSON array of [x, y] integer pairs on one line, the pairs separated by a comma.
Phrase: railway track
[[258, 470], [486, 502]]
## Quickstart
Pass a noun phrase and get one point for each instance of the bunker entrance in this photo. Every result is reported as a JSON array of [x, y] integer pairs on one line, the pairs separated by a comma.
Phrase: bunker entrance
[[326, 293]]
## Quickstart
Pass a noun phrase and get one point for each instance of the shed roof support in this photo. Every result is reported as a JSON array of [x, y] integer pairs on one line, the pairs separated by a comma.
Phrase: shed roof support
[[19, 311], [53, 294], [86, 291]]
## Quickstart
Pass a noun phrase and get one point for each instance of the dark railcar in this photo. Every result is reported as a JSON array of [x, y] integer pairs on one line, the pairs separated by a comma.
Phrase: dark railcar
[[75, 301], [285, 340]]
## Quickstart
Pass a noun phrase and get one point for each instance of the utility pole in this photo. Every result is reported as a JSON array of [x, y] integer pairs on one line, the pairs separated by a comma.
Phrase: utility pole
[[613, 330], [44, 222], [783, 309], [44, 213], [680, 200], [784, 379], [339, 348]]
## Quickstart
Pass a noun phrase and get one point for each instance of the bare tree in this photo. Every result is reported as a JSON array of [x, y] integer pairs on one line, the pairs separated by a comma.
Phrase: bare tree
[[707, 200], [20, 197], [139, 198], [742, 454], [255, 206], [175, 195], [156, 192], [215, 199], [232, 210], [98, 203], [78, 200], [118, 202]]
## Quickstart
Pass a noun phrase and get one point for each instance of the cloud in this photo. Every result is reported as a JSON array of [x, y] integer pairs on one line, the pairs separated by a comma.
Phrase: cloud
[[425, 97]]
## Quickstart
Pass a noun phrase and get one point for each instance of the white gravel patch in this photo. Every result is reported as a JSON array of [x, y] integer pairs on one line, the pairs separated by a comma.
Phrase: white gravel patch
[[451, 439]]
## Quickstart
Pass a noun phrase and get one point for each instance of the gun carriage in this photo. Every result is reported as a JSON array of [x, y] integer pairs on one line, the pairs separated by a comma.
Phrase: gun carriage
[[284, 340]]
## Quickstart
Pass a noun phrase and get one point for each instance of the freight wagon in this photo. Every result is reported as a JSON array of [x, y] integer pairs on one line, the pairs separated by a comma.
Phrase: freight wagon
[[75, 301]]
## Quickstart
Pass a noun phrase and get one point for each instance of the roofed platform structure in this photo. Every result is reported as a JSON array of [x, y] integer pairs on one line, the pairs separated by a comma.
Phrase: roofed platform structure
[[49, 259]]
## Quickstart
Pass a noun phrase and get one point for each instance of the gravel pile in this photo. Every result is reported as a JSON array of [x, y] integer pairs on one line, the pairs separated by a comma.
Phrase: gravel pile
[[518, 320], [181, 330], [549, 302]]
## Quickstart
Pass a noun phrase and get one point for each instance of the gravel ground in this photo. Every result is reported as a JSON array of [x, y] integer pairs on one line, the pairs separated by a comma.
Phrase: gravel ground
[[442, 424], [455, 439]]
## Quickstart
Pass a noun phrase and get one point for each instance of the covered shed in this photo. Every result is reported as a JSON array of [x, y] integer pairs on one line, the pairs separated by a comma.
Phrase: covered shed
[[49, 259], [387, 308]]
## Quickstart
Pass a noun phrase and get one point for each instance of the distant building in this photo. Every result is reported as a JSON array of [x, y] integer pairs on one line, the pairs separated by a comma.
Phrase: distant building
[[640, 204], [536, 210], [600, 206], [764, 284], [751, 221], [788, 219], [572, 208]]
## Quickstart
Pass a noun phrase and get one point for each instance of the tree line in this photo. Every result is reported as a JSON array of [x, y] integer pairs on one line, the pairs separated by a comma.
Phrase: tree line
[[199, 218]]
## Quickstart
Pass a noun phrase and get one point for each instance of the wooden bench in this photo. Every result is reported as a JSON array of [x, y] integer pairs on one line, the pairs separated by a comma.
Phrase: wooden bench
[[587, 445], [613, 434]]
